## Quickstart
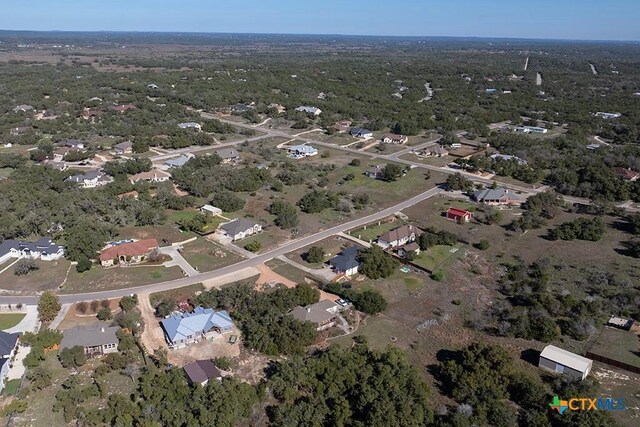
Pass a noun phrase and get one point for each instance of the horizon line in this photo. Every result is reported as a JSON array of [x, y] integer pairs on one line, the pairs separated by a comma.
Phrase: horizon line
[[327, 34]]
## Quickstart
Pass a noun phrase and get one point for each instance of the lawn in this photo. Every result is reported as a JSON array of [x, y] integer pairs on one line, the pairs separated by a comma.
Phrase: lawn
[[169, 231], [213, 221], [618, 345], [331, 245], [371, 232], [100, 279], [48, 276], [204, 255], [435, 257], [9, 320], [288, 271], [11, 387]]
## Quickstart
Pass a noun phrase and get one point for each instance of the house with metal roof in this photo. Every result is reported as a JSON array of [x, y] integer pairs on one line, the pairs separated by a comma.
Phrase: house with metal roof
[[90, 179], [323, 314], [309, 110], [210, 210], [96, 339], [300, 151], [183, 329], [44, 249], [561, 361], [178, 161], [240, 228], [507, 157], [361, 133], [190, 125], [495, 196], [125, 147], [346, 262]]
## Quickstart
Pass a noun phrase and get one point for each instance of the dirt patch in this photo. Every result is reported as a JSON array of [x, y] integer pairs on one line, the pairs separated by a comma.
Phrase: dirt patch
[[152, 337], [251, 366], [217, 347], [74, 318]]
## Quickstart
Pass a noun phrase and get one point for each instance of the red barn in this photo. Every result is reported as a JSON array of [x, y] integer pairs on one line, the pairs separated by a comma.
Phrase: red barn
[[459, 215]]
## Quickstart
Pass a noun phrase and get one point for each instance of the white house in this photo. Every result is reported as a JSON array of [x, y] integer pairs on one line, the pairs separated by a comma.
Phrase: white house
[[392, 138], [309, 110], [154, 175], [90, 179], [210, 210], [240, 228], [43, 249], [190, 125], [399, 236], [361, 133], [603, 115], [555, 359], [300, 151]]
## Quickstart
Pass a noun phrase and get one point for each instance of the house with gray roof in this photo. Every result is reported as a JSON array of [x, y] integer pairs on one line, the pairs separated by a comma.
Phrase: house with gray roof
[[96, 339], [179, 161], [190, 125], [125, 147], [323, 314], [8, 345], [72, 143], [300, 151], [228, 155], [495, 196], [201, 371], [22, 108], [90, 179], [44, 249], [361, 133], [346, 262], [240, 228], [183, 329], [309, 110]]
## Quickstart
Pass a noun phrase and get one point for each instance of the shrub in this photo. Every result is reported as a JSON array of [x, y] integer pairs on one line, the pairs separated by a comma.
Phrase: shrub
[[82, 307], [254, 246], [482, 245], [438, 275], [24, 267], [314, 255], [84, 264], [355, 162], [105, 314]]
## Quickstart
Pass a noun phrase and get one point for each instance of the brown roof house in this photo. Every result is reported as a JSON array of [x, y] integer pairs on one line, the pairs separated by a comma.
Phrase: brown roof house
[[96, 339], [323, 314], [154, 175], [627, 174], [127, 253], [399, 236], [201, 371]]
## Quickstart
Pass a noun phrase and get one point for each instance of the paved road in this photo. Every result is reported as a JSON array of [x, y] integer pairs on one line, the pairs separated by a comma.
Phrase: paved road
[[252, 262]]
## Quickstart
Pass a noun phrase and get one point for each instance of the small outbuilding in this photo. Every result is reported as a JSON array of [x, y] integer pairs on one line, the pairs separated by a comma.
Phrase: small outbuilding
[[561, 361], [459, 215]]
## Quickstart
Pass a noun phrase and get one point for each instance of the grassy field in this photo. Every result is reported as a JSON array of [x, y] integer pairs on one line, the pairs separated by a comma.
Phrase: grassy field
[[436, 257], [49, 275], [99, 278], [288, 271], [9, 320], [204, 255], [213, 221], [11, 387], [618, 345], [169, 231], [372, 231]]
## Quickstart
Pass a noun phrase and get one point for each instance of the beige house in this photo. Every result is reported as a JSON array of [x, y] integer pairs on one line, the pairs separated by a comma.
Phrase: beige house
[[323, 314], [96, 339]]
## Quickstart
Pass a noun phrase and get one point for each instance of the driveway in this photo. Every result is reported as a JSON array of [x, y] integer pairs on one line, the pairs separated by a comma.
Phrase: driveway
[[29, 323], [177, 259], [152, 337]]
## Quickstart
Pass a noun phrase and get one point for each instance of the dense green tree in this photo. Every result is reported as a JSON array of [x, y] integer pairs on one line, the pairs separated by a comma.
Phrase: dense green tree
[[286, 214], [391, 172], [375, 263], [314, 255], [48, 307], [458, 182], [73, 357]]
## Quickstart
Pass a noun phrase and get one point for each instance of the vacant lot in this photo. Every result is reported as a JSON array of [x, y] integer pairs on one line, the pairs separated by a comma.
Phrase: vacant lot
[[99, 279], [618, 345], [205, 255], [438, 257], [49, 275]]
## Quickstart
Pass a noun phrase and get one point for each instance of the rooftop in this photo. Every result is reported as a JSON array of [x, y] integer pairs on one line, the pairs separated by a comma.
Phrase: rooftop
[[141, 247], [316, 313], [89, 335], [201, 371], [239, 225], [201, 320], [566, 358]]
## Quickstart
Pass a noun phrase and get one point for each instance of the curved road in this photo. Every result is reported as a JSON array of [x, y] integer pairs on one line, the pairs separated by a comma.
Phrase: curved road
[[251, 262]]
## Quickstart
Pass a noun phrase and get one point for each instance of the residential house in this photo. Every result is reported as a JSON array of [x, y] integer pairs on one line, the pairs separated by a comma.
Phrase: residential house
[[8, 345], [96, 339], [240, 108], [459, 215], [508, 157], [600, 114], [279, 108], [262, 166], [61, 152], [125, 147], [124, 108], [90, 113], [201, 371], [75, 144], [23, 108], [228, 155], [593, 146], [179, 161], [361, 133], [495, 196], [61, 166], [376, 171], [152, 86], [183, 329], [409, 249], [90, 179], [627, 174], [558, 360], [342, 126], [309, 110], [17, 131], [44, 249], [190, 125], [393, 138], [399, 236], [154, 175], [346, 262], [300, 151], [240, 228], [210, 210], [437, 151], [323, 314], [530, 129], [624, 324], [127, 253], [491, 91], [133, 194]]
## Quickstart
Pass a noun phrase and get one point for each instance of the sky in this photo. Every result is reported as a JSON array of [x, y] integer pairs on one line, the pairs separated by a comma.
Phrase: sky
[[549, 19]]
